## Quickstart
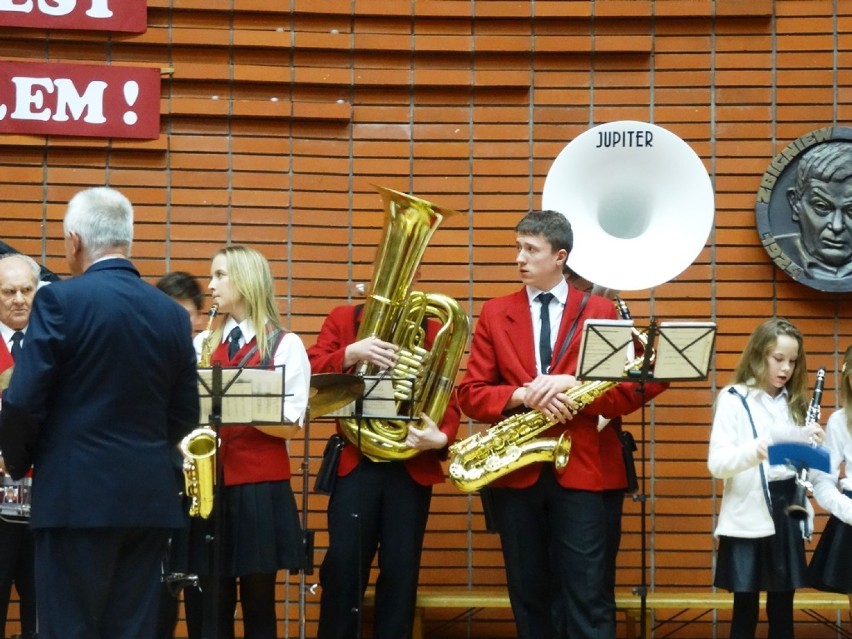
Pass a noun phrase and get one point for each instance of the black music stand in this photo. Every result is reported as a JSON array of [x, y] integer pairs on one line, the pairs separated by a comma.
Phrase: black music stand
[[377, 402], [308, 534], [683, 353], [234, 397]]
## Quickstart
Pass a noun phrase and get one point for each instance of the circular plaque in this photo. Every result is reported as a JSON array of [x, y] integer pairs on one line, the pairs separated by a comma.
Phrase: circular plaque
[[804, 209]]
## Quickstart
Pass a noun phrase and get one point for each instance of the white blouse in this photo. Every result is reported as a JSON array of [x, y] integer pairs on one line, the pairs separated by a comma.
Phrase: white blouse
[[828, 486]]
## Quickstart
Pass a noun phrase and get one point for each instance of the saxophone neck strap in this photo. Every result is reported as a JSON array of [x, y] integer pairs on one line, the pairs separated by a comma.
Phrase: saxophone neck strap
[[274, 338], [572, 330]]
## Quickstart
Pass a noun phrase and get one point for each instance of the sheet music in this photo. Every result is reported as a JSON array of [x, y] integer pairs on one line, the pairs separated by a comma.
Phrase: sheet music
[[249, 395], [378, 400], [684, 350], [605, 348]]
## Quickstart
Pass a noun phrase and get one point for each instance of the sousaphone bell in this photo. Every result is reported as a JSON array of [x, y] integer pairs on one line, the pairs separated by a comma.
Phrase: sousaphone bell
[[639, 200]]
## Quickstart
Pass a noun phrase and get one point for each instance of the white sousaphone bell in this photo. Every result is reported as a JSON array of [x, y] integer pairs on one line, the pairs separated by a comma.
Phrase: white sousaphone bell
[[639, 200]]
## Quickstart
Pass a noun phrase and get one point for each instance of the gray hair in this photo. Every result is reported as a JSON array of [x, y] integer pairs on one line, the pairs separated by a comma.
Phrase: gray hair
[[26, 259], [103, 219]]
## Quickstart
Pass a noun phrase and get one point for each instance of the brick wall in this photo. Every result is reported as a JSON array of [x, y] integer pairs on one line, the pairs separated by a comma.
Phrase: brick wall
[[278, 117]]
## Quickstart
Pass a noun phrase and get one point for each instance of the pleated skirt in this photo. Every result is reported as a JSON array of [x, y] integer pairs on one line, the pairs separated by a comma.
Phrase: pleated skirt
[[774, 563], [260, 532], [831, 564]]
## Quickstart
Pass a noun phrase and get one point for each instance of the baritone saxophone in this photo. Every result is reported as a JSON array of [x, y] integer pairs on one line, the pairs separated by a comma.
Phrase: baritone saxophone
[[199, 447], [514, 442]]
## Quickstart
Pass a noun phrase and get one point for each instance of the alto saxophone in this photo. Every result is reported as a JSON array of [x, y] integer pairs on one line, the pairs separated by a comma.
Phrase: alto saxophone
[[199, 447], [512, 443]]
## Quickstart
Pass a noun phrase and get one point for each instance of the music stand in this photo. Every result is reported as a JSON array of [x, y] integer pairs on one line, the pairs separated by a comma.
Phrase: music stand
[[684, 353], [236, 396], [376, 402]]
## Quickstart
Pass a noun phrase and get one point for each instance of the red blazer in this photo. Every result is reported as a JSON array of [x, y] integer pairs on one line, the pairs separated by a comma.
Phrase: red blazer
[[6, 360], [339, 330], [502, 358]]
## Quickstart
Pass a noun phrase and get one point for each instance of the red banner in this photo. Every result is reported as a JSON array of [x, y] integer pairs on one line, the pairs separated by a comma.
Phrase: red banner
[[130, 16], [77, 99]]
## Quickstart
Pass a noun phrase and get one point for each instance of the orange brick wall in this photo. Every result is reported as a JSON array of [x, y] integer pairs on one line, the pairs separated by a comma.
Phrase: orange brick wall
[[277, 117]]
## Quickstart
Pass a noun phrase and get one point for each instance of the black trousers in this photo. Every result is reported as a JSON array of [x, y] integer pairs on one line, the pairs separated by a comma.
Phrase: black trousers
[[98, 583], [17, 566], [376, 507], [555, 549]]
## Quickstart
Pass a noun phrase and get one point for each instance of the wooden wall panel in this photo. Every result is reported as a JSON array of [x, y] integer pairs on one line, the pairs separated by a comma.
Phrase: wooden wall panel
[[277, 119]]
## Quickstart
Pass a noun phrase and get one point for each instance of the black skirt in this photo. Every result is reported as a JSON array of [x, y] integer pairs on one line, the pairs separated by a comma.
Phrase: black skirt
[[261, 532], [831, 564], [774, 563]]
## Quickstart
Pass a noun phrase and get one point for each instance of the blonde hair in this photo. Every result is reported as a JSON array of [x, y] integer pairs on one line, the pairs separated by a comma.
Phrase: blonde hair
[[752, 368], [249, 273], [845, 390]]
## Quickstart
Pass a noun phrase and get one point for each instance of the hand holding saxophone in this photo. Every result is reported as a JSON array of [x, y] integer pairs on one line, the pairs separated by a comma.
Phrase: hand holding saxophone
[[426, 436], [373, 351], [547, 394]]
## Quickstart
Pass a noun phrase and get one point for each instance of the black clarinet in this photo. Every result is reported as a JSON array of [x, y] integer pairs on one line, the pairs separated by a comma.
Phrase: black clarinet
[[797, 508]]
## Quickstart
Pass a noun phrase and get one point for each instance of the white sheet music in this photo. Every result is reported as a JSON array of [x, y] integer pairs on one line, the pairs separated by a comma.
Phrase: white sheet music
[[378, 400], [605, 348], [684, 350], [250, 395]]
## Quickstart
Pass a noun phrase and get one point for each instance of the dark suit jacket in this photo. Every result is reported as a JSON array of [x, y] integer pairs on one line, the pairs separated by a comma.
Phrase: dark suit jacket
[[107, 383], [338, 331], [502, 358]]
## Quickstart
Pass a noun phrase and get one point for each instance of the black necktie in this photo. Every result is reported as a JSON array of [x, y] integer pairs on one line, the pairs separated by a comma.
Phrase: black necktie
[[234, 341], [544, 349], [17, 336]]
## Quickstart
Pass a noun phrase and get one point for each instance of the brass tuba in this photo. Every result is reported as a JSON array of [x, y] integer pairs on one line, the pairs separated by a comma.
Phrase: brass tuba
[[513, 443], [422, 379], [199, 447]]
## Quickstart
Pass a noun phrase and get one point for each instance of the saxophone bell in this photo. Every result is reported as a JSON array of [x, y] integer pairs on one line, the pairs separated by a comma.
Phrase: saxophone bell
[[199, 468]]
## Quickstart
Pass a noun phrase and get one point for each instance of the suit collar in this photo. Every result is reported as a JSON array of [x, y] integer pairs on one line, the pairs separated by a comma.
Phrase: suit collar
[[119, 263], [560, 292]]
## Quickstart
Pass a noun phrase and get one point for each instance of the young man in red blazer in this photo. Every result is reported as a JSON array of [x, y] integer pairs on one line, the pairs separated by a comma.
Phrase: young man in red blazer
[[552, 525], [376, 505]]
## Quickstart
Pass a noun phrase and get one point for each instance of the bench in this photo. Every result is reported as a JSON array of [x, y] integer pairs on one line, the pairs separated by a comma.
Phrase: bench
[[470, 602]]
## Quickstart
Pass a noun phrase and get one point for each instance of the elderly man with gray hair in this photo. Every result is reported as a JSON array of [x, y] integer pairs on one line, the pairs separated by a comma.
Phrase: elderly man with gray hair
[[103, 391], [19, 279]]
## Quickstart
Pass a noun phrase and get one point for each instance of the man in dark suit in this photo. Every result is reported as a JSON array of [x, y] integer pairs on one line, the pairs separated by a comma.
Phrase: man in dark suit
[[19, 277], [102, 391], [552, 526]]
